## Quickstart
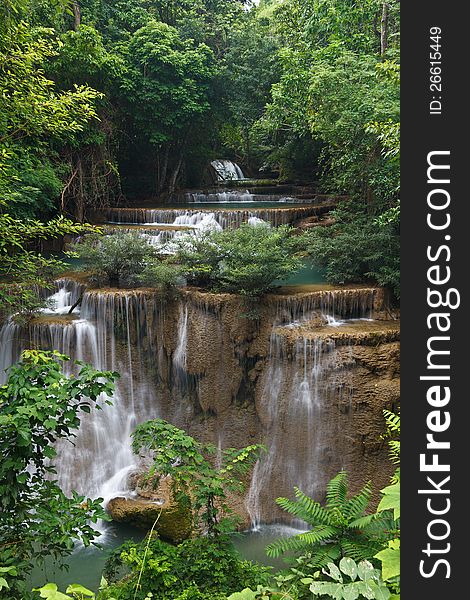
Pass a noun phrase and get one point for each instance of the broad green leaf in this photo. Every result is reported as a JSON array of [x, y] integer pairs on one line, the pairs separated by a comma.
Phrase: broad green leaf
[[348, 567], [390, 559], [333, 572], [350, 592], [245, 594], [365, 570], [3, 583], [75, 588], [51, 592], [391, 500]]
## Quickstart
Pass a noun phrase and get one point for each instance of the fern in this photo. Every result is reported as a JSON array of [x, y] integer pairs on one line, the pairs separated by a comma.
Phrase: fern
[[356, 506], [392, 421], [305, 508], [337, 490], [340, 528]]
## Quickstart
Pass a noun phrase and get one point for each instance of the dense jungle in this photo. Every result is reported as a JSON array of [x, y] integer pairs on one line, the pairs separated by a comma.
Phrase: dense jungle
[[199, 299]]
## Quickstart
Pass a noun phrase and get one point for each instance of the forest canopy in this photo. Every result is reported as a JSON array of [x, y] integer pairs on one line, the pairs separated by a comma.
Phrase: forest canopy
[[102, 101]]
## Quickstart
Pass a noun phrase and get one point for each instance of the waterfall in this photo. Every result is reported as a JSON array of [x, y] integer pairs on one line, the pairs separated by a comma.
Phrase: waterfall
[[346, 303], [295, 391], [192, 218], [10, 347], [180, 355], [236, 196], [227, 170], [111, 332], [220, 197], [66, 295]]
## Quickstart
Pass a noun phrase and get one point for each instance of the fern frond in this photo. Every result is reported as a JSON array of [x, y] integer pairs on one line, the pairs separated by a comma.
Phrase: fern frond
[[383, 527], [307, 541], [282, 545], [355, 506], [319, 534], [360, 550], [295, 509], [337, 490], [362, 522], [327, 553], [305, 508], [393, 421], [394, 452], [315, 511]]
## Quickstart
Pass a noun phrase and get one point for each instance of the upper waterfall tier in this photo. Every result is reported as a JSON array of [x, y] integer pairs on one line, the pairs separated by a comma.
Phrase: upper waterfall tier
[[185, 217], [227, 170]]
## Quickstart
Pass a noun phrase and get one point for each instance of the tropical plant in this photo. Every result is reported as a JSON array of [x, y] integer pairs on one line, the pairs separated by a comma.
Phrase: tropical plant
[[39, 405], [203, 568], [195, 481], [50, 591], [350, 581], [358, 250], [246, 261], [117, 260], [338, 529], [390, 501]]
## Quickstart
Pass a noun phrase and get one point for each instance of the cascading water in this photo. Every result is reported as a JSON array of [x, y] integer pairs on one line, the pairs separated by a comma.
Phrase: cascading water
[[220, 197], [303, 376], [294, 390], [110, 332], [185, 217], [227, 170]]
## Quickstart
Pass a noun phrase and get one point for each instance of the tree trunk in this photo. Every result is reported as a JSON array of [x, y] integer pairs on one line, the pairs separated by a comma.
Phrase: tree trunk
[[77, 16], [384, 29], [162, 170], [174, 175], [80, 198]]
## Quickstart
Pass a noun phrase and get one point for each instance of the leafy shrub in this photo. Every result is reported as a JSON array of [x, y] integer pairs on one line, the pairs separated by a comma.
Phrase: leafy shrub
[[38, 405], [350, 581], [125, 259], [340, 528], [162, 275], [201, 568], [358, 251], [245, 261], [24, 272], [195, 481]]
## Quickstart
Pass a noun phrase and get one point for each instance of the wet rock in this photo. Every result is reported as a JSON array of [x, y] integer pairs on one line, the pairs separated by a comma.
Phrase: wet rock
[[173, 520]]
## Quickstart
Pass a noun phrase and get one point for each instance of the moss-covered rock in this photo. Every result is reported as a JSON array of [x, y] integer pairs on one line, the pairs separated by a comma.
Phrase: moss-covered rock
[[173, 524]]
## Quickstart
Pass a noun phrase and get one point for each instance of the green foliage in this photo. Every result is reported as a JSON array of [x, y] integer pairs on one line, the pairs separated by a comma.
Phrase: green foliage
[[390, 501], [338, 529], [351, 581], [126, 259], [196, 482], [358, 250], [24, 271], [117, 260], [51, 592], [38, 406], [245, 261], [261, 593], [35, 116], [198, 569], [393, 423]]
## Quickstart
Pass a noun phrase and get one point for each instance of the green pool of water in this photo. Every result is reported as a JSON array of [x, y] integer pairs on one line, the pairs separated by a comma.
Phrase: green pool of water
[[85, 565], [308, 274], [252, 544]]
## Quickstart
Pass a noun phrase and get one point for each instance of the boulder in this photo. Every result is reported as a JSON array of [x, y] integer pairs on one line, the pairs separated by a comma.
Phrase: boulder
[[174, 522]]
